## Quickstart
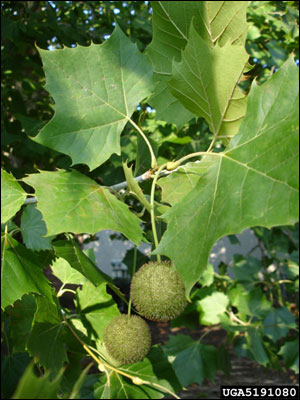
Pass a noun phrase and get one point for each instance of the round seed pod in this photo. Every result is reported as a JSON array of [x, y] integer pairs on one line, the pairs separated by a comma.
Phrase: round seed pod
[[127, 339], [158, 292]]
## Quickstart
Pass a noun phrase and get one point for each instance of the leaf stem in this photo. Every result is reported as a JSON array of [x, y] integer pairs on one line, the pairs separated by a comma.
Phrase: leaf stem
[[152, 207], [175, 164], [103, 365], [133, 272], [153, 158]]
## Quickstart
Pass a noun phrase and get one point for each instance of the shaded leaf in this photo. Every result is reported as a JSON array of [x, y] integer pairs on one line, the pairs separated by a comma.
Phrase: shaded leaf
[[231, 195], [12, 368], [192, 360], [21, 272], [12, 196], [278, 322], [215, 22], [46, 341], [205, 82], [80, 262], [84, 206], [96, 307], [34, 387], [21, 317], [33, 229], [96, 89], [154, 368], [249, 302], [256, 347], [290, 353]]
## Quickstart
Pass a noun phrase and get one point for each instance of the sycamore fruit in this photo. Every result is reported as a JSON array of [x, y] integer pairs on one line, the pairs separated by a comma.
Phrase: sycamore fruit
[[158, 292], [126, 339]]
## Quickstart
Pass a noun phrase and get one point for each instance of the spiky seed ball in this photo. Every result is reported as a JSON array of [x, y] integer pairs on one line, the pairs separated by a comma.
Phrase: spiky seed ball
[[127, 339], [157, 291]]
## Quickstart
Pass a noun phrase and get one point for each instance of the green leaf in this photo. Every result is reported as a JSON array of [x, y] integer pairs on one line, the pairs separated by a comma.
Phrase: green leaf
[[212, 306], [256, 348], [215, 22], [290, 353], [79, 383], [81, 263], [170, 22], [65, 273], [21, 317], [33, 387], [72, 202], [134, 187], [12, 196], [192, 360], [278, 322], [178, 184], [76, 258], [96, 307], [207, 277], [167, 107], [206, 83], [96, 89], [33, 229], [12, 368], [154, 368], [231, 195], [46, 341], [246, 270], [21, 272], [249, 303]]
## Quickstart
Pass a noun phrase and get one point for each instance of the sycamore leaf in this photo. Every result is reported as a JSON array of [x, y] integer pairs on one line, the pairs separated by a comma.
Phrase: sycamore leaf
[[96, 306], [21, 272], [154, 368], [13, 366], [72, 202], [12, 196], [33, 228], [206, 80], [46, 340], [21, 315], [191, 360], [221, 21], [253, 182], [290, 353], [96, 89], [66, 274], [212, 306], [34, 387], [82, 264]]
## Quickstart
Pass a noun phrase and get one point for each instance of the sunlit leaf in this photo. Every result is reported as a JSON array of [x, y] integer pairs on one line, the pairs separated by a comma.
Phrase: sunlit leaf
[[72, 202], [12, 196], [96, 89], [254, 182]]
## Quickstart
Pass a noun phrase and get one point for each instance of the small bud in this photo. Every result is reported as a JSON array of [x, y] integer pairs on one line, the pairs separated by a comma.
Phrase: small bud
[[137, 381]]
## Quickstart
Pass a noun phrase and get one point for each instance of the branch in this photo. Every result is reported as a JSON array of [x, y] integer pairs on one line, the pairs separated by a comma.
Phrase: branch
[[122, 185]]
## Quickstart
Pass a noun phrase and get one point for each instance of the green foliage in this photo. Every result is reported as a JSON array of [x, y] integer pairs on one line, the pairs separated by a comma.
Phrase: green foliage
[[79, 80]]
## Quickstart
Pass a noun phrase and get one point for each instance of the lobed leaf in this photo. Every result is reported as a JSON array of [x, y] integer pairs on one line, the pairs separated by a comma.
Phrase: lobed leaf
[[96, 89], [21, 272], [12, 196], [33, 228], [72, 202], [206, 83], [46, 341], [254, 182]]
